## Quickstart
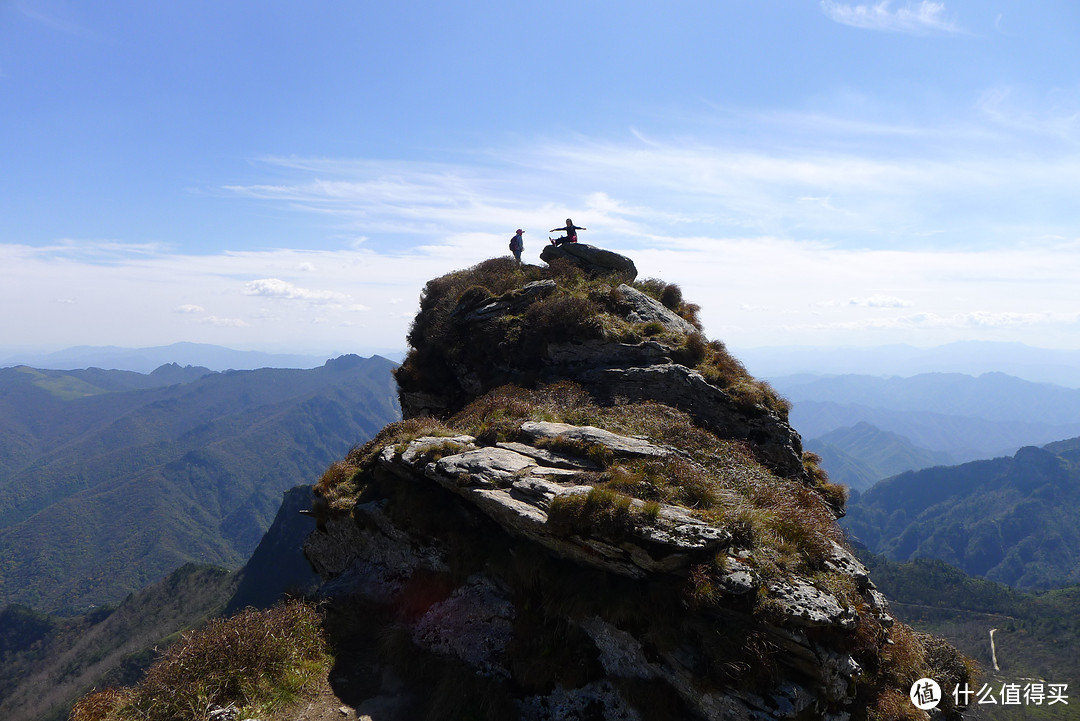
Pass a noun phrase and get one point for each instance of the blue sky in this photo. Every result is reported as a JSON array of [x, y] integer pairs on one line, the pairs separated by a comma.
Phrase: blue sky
[[284, 176]]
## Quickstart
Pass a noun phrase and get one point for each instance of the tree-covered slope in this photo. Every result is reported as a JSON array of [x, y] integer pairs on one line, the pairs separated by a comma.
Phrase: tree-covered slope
[[116, 489], [861, 455], [1014, 520], [1035, 634]]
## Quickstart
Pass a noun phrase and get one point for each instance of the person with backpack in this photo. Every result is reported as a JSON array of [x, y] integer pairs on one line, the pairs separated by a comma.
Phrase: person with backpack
[[517, 244], [571, 233]]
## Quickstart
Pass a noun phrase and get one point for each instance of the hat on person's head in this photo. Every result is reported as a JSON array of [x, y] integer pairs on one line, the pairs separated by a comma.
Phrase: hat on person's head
[[520, 230]]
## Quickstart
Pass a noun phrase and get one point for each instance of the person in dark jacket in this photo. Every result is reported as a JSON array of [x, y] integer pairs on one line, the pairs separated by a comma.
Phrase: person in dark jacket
[[517, 244], [571, 233]]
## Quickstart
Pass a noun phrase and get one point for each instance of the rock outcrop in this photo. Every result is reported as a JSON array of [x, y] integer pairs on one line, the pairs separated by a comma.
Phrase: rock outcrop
[[591, 259], [606, 518]]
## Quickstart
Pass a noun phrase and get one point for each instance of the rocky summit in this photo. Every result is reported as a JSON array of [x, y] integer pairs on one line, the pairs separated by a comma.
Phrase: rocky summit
[[591, 511]]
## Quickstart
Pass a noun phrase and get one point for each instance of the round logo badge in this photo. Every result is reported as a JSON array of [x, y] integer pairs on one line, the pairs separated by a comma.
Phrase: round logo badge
[[925, 694]]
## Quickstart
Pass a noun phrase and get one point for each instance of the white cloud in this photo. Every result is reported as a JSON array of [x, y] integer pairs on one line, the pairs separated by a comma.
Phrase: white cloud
[[277, 288], [917, 18], [190, 308]]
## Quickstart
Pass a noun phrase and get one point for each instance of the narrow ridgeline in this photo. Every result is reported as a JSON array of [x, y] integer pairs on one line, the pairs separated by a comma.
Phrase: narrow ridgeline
[[592, 511]]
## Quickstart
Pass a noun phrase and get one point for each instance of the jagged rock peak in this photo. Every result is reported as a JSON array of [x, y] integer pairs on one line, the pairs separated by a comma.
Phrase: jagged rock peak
[[591, 506], [496, 324]]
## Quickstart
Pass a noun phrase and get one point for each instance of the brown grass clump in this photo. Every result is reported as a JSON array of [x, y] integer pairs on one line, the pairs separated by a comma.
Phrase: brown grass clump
[[893, 667], [98, 705], [256, 661]]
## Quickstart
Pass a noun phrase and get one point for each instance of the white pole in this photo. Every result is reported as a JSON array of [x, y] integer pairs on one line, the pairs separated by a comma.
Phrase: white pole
[[993, 651]]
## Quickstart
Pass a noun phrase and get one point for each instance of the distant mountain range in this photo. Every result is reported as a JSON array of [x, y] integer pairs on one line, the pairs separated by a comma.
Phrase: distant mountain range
[[968, 357], [965, 417], [109, 480], [145, 360], [1013, 520]]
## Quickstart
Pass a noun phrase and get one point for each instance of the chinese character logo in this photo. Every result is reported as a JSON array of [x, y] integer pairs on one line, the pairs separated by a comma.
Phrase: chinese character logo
[[925, 694]]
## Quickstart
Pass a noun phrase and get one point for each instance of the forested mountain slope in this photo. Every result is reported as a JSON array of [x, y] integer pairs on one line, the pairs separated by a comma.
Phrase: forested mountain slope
[[102, 494]]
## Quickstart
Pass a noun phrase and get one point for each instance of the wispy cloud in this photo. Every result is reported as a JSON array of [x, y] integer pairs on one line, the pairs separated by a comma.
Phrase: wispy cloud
[[224, 322], [190, 308], [920, 18], [56, 16], [880, 301], [958, 321]]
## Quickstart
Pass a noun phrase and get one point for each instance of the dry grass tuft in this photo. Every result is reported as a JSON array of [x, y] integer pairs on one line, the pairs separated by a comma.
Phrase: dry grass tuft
[[600, 512], [98, 705]]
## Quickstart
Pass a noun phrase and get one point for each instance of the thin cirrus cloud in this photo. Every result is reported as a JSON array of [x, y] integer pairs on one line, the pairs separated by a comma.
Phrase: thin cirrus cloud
[[957, 321], [914, 18], [880, 301], [224, 322], [858, 193]]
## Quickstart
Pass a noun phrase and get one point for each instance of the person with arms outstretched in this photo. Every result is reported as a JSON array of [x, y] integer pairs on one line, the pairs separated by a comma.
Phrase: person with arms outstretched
[[571, 233]]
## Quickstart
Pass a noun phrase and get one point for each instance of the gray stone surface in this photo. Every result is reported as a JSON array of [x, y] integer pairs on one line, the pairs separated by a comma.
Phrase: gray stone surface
[[482, 309], [803, 604], [474, 624], [599, 701], [645, 309], [496, 467], [624, 446]]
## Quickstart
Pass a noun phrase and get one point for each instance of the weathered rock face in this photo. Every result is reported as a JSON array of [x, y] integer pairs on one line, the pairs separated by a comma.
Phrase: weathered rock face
[[669, 557], [591, 259], [503, 494]]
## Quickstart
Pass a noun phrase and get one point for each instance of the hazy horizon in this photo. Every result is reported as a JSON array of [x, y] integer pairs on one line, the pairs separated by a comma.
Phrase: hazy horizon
[[267, 175]]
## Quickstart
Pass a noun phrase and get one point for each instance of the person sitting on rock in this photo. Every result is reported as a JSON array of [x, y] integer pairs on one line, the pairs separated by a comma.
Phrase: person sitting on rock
[[571, 233]]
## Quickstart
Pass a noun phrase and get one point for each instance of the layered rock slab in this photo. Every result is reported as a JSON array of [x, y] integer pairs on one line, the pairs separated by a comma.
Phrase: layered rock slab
[[514, 484]]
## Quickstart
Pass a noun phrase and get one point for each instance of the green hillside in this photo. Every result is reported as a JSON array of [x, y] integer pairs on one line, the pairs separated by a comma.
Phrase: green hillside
[[106, 493], [1013, 520], [861, 455]]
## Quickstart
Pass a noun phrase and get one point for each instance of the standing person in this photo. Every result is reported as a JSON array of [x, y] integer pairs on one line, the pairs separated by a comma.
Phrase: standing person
[[571, 233], [517, 244]]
